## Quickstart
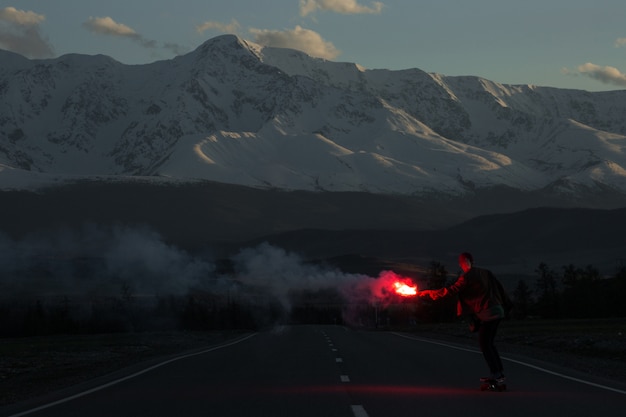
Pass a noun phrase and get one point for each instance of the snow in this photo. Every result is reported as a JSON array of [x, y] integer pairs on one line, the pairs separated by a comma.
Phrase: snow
[[236, 112]]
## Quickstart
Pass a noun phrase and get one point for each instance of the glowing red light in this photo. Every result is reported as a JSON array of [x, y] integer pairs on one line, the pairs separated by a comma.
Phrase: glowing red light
[[389, 286], [404, 289]]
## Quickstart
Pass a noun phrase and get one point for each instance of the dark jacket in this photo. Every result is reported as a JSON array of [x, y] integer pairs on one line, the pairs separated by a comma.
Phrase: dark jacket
[[479, 294]]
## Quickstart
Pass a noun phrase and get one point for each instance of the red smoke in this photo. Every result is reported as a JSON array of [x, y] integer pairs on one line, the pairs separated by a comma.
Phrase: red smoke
[[390, 285]]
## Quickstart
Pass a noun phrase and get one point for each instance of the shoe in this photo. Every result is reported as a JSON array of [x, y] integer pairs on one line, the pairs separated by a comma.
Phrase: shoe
[[493, 384]]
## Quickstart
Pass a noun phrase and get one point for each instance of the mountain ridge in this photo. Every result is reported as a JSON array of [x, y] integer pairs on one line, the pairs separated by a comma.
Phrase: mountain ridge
[[236, 112]]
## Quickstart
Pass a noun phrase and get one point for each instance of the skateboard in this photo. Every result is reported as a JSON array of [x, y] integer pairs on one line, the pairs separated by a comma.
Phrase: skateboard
[[488, 384]]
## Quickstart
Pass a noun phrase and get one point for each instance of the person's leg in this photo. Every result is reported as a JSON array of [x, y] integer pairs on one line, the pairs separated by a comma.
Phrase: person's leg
[[486, 338]]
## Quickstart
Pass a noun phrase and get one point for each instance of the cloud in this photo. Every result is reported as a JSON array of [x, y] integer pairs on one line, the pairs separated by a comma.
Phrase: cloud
[[108, 26], [607, 75], [20, 17], [19, 32], [619, 42], [232, 27], [299, 38], [338, 6]]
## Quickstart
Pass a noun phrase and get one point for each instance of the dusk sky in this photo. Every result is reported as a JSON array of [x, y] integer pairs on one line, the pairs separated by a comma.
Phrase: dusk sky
[[556, 43]]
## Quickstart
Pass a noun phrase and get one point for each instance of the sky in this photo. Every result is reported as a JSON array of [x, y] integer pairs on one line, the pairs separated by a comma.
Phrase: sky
[[578, 44]]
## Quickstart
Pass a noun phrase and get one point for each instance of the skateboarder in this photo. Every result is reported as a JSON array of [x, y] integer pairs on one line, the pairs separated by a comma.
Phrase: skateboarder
[[483, 299]]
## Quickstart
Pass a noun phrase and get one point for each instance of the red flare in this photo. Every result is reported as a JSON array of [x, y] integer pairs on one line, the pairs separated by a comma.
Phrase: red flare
[[405, 290]]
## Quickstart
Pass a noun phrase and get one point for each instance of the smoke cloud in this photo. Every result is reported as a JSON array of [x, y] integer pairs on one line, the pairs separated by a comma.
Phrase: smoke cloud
[[136, 266], [281, 272], [98, 260]]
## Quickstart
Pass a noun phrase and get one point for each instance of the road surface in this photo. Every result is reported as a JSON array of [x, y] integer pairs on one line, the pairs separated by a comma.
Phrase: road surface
[[336, 371]]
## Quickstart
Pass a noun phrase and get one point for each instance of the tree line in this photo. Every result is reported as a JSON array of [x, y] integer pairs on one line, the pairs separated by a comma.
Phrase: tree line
[[571, 292]]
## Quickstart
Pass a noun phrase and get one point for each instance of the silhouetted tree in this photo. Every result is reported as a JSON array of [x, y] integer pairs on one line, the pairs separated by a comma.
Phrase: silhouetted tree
[[616, 289], [437, 275], [583, 293], [547, 300], [522, 298]]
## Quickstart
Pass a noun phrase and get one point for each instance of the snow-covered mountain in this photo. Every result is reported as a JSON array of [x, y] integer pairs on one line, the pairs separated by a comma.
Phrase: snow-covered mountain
[[235, 112]]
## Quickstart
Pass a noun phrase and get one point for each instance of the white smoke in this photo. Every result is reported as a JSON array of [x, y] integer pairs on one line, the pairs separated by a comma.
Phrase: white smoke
[[122, 261], [282, 272], [101, 260]]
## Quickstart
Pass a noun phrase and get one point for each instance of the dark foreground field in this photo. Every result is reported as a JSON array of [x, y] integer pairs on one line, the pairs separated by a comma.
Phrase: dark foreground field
[[34, 367]]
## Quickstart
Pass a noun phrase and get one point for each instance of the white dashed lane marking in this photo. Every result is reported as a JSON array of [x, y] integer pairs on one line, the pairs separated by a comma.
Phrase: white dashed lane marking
[[359, 411]]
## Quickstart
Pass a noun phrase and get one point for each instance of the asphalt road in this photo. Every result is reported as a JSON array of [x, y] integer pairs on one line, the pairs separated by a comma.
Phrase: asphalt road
[[335, 371]]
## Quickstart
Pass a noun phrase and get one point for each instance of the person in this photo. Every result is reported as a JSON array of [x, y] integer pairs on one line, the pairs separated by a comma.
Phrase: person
[[482, 297]]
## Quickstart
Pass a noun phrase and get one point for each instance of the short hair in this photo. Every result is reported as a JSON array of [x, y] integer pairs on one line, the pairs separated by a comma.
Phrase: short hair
[[468, 256]]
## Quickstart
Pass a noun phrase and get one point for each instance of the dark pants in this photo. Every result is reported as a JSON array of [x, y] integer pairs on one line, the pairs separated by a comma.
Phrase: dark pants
[[486, 337]]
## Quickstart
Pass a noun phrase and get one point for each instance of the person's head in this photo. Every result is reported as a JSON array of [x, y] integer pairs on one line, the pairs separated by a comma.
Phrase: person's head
[[465, 261]]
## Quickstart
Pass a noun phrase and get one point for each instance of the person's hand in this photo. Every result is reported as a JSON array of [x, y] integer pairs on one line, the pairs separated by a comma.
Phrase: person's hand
[[433, 294], [427, 293]]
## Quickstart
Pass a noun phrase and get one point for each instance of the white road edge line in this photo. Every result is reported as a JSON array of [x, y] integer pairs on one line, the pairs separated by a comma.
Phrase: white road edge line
[[538, 368], [126, 378]]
